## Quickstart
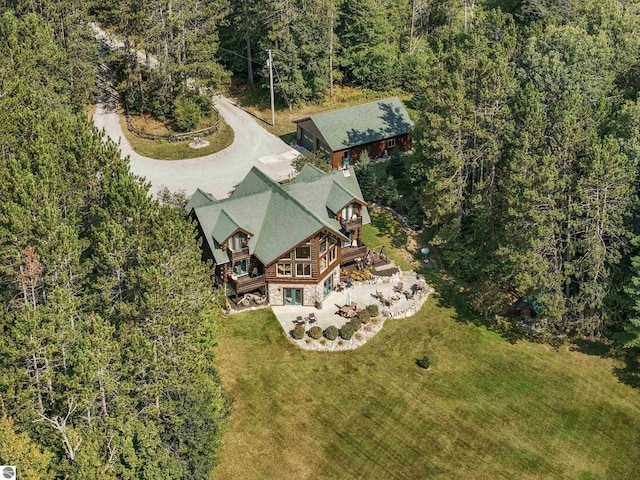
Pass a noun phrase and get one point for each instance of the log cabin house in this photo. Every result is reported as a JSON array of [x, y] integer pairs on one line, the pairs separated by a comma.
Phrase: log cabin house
[[287, 241], [377, 127]]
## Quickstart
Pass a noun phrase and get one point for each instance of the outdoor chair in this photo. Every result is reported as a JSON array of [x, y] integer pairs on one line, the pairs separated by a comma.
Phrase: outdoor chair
[[299, 321], [312, 318], [398, 288]]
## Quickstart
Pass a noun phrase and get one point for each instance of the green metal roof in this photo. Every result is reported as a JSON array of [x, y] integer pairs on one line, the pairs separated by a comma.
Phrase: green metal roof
[[309, 172], [199, 199], [282, 216], [224, 227], [362, 124]]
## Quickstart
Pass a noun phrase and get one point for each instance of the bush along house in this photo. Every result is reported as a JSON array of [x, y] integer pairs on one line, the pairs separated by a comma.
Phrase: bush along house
[[286, 241], [377, 127]]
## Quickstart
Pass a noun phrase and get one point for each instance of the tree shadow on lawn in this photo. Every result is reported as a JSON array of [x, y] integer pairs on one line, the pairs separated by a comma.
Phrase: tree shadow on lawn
[[390, 228], [451, 295], [629, 370]]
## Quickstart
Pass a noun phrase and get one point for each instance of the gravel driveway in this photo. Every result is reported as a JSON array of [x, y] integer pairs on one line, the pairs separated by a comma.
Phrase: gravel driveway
[[217, 173]]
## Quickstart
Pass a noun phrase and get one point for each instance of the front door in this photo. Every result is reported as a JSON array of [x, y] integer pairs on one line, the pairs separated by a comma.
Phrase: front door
[[292, 296], [346, 158], [328, 286]]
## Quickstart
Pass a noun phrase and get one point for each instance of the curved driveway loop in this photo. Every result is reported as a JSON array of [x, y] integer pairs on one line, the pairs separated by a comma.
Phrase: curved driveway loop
[[217, 173]]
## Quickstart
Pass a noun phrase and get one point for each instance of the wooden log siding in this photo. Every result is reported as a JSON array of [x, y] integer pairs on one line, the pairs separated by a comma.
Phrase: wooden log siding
[[271, 275], [375, 150]]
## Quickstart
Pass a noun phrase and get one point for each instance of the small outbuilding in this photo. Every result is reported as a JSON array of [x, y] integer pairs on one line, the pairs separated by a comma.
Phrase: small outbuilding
[[377, 127]]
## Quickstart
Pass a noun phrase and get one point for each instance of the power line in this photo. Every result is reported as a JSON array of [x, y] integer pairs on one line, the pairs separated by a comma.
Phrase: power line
[[239, 55]]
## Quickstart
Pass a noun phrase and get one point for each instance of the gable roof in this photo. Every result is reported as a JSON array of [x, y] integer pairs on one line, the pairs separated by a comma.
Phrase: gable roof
[[362, 124], [279, 216], [199, 199]]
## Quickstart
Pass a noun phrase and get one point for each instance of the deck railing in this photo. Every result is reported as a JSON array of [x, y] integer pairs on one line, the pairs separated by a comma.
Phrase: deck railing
[[246, 283], [352, 224], [349, 254]]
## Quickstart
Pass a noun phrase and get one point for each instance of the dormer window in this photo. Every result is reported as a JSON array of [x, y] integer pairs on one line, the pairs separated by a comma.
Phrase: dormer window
[[238, 242], [349, 211]]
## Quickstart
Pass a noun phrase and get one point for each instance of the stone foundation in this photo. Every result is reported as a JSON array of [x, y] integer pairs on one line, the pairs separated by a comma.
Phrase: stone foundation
[[310, 293]]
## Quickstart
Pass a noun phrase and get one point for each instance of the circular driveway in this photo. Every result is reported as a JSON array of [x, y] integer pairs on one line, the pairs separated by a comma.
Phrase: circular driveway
[[216, 173]]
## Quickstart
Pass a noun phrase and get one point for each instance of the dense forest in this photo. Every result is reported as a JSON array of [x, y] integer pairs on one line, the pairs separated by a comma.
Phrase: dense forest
[[525, 174], [109, 317]]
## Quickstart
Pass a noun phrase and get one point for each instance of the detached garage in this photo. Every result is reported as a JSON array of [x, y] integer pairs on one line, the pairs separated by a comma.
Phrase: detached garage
[[377, 127]]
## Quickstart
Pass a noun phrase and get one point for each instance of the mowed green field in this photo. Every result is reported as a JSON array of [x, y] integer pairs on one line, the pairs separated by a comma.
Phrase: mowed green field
[[487, 409]]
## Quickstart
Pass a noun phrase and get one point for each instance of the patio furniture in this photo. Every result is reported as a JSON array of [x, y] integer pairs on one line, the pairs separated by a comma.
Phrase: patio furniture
[[348, 311], [398, 288], [312, 318], [408, 295], [395, 298], [299, 321], [378, 295]]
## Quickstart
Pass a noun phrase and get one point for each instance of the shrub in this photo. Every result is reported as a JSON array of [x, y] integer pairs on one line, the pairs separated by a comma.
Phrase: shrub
[[340, 342], [307, 341], [315, 332], [298, 332], [346, 332], [423, 362], [356, 323], [373, 310], [358, 337], [330, 333], [323, 341], [187, 113], [364, 316]]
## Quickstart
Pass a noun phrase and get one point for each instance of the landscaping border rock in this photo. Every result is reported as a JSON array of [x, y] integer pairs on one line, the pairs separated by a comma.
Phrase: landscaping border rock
[[373, 328]]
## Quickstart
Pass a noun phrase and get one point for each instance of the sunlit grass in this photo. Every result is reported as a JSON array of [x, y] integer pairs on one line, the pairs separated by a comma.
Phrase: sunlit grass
[[486, 408]]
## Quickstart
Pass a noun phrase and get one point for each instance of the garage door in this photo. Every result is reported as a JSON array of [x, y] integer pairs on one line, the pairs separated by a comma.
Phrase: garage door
[[306, 139]]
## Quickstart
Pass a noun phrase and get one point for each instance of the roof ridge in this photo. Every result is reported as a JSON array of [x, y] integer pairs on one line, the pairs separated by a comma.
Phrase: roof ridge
[[354, 106], [345, 190], [225, 213], [262, 175]]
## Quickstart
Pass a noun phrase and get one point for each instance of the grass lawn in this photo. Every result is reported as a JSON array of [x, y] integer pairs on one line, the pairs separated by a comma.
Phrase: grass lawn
[[162, 150], [486, 409], [256, 101], [383, 230]]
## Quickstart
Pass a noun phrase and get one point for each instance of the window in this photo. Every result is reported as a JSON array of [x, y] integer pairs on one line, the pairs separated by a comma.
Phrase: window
[[323, 264], [303, 270], [332, 255], [323, 244], [237, 242], [349, 211], [303, 252], [391, 143], [283, 270], [241, 267], [287, 255]]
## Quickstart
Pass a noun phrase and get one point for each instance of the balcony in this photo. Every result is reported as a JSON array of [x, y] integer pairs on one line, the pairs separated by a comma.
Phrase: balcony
[[235, 255], [349, 254], [350, 225], [246, 283]]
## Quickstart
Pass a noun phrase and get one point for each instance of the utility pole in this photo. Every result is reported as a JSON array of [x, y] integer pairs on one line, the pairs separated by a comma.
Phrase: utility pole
[[273, 110]]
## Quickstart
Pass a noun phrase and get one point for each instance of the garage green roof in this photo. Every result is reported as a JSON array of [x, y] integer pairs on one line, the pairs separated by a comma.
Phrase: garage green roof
[[279, 217], [362, 124]]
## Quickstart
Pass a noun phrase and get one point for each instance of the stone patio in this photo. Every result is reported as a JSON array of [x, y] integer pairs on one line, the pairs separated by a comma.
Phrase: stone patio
[[362, 294]]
